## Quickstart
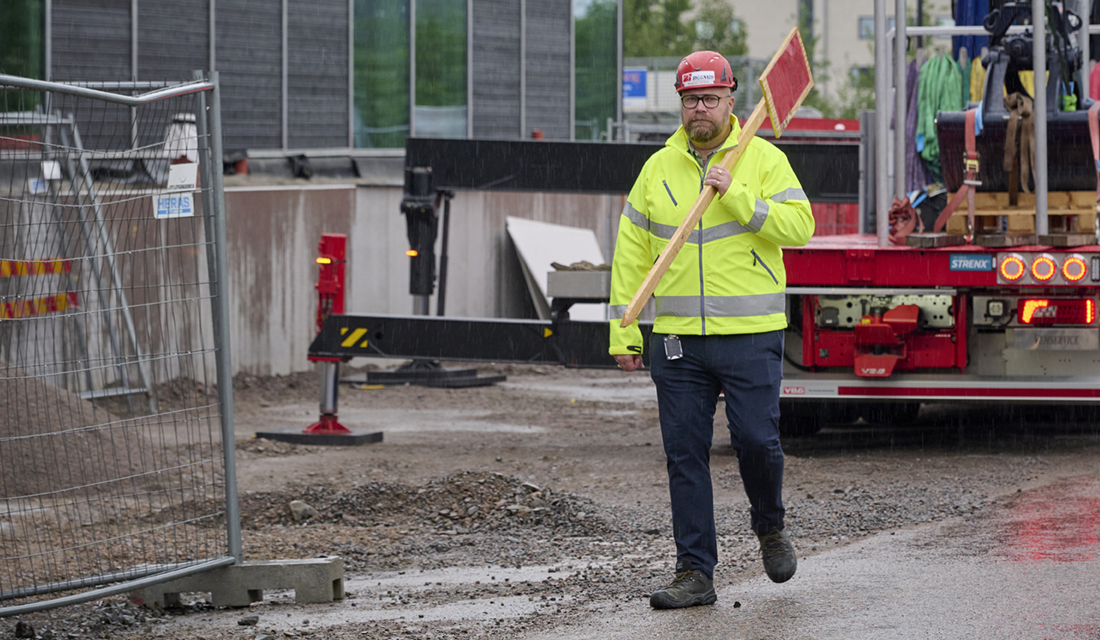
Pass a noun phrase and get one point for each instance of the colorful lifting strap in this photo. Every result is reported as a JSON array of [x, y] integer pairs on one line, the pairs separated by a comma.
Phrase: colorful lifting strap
[[1094, 134], [970, 181]]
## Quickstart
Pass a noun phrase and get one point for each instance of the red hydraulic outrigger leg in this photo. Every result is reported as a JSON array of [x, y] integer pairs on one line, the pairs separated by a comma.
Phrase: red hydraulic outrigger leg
[[332, 260]]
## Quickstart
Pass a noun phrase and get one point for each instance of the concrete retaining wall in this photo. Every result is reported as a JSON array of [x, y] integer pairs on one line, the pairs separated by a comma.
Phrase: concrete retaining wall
[[273, 233]]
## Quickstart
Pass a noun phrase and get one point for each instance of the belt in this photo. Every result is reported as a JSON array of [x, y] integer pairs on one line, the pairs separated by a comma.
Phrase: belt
[[970, 181]]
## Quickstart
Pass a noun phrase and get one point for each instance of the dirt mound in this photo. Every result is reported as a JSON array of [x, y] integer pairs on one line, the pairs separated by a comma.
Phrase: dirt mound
[[52, 440], [465, 502]]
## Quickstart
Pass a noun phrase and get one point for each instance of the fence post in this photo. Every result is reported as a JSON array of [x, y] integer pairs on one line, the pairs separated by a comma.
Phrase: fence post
[[217, 262], [223, 358]]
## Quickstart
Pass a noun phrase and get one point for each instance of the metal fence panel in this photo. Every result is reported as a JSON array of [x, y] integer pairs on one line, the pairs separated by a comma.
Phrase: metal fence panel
[[115, 398]]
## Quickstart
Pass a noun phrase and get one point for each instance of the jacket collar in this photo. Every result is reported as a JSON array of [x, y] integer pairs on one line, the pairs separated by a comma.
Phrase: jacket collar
[[679, 140]]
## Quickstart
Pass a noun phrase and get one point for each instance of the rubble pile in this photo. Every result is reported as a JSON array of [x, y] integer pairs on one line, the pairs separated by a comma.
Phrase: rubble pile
[[465, 502]]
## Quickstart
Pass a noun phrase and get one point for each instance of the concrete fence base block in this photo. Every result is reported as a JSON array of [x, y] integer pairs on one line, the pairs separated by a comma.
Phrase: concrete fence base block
[[314, 580]]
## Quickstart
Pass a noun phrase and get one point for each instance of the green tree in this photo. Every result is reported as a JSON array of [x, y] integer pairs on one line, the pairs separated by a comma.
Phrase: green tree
[[655, 28], [660, 28], [819, 68], [716, 28], [857, 94]]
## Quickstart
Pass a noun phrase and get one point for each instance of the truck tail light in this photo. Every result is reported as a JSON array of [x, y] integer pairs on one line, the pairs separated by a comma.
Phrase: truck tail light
[[1036, 311], [1074, 269], [1043, 268], [1012, 268]]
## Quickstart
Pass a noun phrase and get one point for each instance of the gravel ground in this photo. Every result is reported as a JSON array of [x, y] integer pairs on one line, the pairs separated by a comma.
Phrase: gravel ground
[[490, 511]]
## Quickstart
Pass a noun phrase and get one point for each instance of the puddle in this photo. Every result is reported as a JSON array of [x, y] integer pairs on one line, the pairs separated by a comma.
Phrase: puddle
[[633, 391], [376, 597], [455, 576], [1054, 524], [629, 390], [412, 421]]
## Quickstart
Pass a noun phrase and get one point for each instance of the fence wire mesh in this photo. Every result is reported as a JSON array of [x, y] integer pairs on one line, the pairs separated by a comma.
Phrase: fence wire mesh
[[111, 457]]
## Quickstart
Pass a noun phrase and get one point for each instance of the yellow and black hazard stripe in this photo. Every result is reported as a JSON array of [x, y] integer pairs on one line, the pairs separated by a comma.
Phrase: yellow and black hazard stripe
[[350, 338]]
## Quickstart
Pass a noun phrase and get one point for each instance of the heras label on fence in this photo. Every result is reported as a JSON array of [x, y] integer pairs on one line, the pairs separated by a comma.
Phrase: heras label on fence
[[173, 205], [179, 202]]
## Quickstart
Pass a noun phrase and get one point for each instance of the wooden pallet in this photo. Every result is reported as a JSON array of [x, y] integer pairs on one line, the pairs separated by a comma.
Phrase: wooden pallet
[[1071, 216], [934, 240]]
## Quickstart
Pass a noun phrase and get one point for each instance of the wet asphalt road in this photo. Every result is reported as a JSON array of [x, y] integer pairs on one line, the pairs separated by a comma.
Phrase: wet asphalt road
[[1029, 569]]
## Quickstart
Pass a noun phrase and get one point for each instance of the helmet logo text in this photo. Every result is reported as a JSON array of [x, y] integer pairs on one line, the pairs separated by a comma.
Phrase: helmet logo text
[[696, 78]]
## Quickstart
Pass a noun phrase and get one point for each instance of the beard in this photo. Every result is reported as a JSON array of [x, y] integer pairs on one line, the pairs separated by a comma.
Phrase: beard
[[702, 130]]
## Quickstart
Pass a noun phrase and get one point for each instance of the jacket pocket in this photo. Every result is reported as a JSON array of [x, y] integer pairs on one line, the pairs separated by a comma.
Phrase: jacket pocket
[[757, 259], [672, 197]]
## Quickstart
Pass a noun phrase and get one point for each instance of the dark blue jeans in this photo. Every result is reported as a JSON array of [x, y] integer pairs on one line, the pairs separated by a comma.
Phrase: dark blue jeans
[[748, 368]]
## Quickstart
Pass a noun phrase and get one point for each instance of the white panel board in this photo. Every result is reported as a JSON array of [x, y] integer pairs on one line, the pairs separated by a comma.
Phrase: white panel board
[[541, 243]]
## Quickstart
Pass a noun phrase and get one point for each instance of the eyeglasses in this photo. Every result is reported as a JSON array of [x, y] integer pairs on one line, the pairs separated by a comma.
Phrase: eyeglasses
[[691, 101]]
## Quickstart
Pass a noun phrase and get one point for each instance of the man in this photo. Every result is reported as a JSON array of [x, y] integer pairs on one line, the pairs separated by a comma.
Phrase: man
[[720, 318]]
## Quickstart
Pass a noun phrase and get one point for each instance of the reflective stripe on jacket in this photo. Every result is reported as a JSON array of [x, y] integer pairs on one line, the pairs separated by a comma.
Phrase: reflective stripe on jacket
[[728, 278]]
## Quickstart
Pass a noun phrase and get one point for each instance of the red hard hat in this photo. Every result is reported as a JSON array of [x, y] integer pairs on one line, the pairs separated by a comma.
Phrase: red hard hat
[[704, 69]]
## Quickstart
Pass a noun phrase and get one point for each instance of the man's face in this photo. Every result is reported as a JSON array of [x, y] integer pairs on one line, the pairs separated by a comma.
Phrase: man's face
[[702, 123]]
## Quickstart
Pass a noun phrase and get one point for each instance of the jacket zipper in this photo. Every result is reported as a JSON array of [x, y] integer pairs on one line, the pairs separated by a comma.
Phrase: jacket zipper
[[756, 258], [702, 290]]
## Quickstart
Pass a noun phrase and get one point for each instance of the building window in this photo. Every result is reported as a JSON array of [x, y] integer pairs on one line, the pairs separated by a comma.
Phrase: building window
[[440, 69], [22, 52], [595, 63], [866, 26], [381, 73]]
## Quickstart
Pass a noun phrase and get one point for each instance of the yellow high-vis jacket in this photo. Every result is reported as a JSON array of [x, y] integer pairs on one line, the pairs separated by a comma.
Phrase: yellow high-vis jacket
[[728, 278]]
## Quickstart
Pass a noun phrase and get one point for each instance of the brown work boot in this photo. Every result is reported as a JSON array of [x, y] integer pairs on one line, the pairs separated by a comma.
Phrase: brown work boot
[[780, 560], [688, 589]]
